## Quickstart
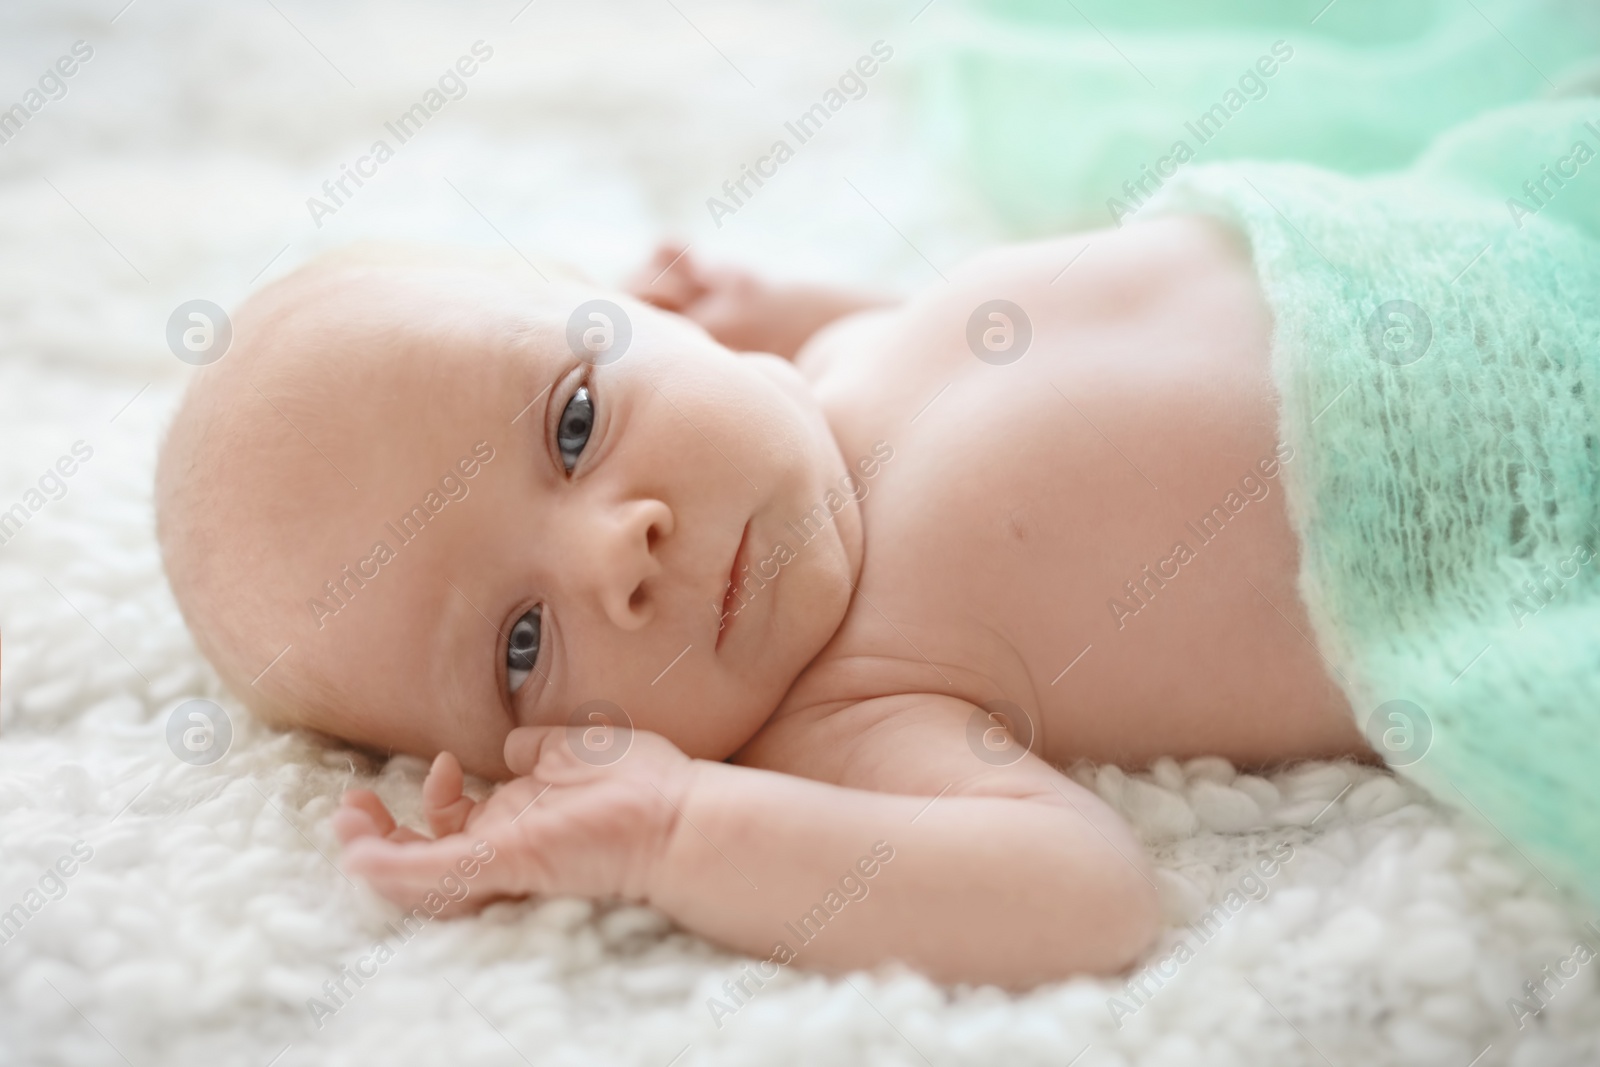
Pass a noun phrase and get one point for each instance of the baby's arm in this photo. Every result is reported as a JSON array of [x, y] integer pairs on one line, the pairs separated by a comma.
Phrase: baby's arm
[[1006, 874], [740, 310], [1012, 875]]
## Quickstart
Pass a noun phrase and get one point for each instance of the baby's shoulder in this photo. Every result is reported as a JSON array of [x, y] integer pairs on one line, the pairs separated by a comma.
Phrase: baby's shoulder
[[839, 344], [1096, 273], [1089, 277]]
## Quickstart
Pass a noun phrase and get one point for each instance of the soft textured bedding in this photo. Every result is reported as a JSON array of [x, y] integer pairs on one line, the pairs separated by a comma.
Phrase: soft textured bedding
[[1324, 913]]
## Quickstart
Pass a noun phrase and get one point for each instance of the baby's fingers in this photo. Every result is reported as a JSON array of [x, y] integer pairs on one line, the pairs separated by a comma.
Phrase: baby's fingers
[[442, 800], [448, 876], [362, 814], [669, 279]]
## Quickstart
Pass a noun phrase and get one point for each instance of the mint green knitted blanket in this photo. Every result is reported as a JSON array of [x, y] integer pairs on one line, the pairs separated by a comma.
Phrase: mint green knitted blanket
[[1063, 113], [1437, 342], [1437, 350]]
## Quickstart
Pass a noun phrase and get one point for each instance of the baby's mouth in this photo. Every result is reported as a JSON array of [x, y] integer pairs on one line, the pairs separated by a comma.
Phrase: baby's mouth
[[729, 598]]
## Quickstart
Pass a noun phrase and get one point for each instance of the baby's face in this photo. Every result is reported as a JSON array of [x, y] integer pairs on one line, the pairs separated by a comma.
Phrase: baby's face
[[526, 532]]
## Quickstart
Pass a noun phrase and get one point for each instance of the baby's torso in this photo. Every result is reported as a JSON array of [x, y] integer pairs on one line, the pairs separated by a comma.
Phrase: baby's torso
[[1077, 516]]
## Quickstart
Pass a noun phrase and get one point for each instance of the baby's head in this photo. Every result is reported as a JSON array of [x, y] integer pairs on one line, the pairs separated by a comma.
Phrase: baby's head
[[410, 509]]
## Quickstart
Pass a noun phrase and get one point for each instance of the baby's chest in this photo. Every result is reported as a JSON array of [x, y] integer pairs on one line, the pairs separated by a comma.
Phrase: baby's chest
[[1021, 499], [1023, 477]]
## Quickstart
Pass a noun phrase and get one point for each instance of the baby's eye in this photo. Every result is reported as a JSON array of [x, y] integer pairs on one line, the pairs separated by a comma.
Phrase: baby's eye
[[522, 652], [577, 420]]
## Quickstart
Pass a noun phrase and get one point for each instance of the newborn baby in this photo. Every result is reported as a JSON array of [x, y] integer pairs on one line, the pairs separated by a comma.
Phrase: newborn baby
[[779, 608]]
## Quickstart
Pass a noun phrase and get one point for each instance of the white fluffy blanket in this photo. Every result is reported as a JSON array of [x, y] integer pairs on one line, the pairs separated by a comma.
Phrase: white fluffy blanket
[[177, 914]]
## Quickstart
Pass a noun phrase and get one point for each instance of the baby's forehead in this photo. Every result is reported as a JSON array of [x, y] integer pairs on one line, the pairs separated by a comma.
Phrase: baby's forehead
[[346, 395], [386, 316], [388, 343]]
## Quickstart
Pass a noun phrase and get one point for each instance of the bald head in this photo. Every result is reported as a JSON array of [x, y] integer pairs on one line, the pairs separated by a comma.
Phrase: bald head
[[285, 455], [403, 464]]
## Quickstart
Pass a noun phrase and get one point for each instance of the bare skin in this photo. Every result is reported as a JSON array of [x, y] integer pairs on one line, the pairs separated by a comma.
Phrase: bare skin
[[904, 679]]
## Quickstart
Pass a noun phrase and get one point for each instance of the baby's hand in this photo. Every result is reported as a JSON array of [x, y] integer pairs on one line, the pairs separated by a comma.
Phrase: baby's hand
[[739, 309], [568, 827], [732, 305]]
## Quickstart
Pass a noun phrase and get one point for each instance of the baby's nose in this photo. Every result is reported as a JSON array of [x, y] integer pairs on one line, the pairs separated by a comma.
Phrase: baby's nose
[[622, 562]]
